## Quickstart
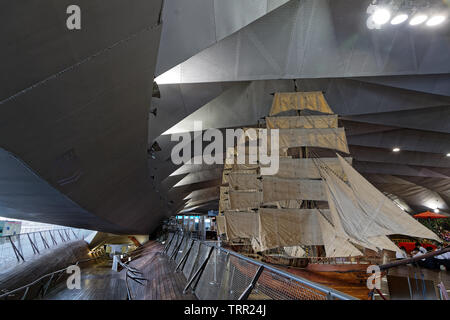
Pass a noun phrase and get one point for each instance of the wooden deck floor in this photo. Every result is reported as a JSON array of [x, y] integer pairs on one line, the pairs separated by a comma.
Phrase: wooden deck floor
[[163, 283], [98, 282]]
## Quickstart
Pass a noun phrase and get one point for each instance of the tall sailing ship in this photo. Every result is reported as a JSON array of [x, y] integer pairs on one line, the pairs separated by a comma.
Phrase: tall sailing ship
[[317, 212]]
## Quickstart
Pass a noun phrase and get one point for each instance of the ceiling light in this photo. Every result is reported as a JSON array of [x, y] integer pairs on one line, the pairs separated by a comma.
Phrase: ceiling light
[[400, 18], [396, 149], [418, 19], [436, 210], [381, 16], [435, 20], [448, 154]]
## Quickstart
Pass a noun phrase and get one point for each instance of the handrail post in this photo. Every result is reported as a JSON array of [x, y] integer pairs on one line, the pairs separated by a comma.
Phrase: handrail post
[[166, 249], [53, 238], [25, 294], [62, 238], [33, 246], [175, 253], [248, 291], [67, 234], [16, 251], [184, 259], [46, 246], [198, 273]]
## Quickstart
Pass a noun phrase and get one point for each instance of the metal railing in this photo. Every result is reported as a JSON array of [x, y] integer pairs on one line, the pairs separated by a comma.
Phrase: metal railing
[[132, 273], [215, 273], [21, 247], [45, 282]]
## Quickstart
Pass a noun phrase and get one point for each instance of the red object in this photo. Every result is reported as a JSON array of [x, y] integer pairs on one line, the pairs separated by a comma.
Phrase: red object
[[429, 215], [409, 246]]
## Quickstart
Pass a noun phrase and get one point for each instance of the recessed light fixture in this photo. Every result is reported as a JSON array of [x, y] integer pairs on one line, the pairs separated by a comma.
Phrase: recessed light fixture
[[381, 16], [435, 20], [396, 149], [399, 18], [418, 19]]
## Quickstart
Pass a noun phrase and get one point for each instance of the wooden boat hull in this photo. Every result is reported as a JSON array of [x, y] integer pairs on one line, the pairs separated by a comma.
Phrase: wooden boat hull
[[348, 272]]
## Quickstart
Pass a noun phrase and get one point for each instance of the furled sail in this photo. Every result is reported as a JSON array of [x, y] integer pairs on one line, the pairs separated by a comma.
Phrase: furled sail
[[295, 251], [276, 189], [302, 122], [314, 101]]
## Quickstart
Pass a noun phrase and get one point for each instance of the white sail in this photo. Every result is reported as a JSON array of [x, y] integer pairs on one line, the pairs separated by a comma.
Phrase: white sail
[[384, 211], [241, 225], [289, 227], [295, 251], [334, 139], [364, 213], [336, 244], [276, 189], [245, 199], [286, 101], [244, 181], [307, 168], [302, 122], [221, 224]]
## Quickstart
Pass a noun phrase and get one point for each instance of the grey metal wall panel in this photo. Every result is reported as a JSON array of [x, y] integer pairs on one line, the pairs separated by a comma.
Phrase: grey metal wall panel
[[327, 40]]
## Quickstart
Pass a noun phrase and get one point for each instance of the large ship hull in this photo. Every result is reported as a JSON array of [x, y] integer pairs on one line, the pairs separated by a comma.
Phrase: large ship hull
[[76, 104]]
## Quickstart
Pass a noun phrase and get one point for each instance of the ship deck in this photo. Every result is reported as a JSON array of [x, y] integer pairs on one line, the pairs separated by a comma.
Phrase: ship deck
[[163, 283], [100, 282]]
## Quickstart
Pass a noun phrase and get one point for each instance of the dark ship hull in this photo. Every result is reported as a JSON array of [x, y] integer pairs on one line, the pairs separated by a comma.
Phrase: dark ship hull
[[76, 104]]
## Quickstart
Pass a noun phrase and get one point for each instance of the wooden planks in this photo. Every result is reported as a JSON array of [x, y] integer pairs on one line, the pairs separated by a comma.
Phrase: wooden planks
[[98, 282], [163, 283]]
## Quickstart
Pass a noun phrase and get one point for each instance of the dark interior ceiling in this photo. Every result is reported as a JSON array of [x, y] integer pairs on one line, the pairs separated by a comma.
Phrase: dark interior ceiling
[[76, 108]]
